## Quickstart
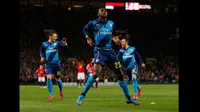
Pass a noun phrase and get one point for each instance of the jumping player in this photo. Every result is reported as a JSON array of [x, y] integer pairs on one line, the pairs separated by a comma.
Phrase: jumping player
[[90, 69], [49, 54], [104, 32], [41, 76], [127, 54]]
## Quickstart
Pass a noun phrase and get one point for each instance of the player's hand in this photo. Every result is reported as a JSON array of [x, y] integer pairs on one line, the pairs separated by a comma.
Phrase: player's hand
[[116, 40], [42, 60], [64, 40], [143, 65], [89, 41]]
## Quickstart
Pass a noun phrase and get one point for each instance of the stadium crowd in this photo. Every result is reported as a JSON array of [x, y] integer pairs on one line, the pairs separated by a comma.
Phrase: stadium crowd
[[162, 69]]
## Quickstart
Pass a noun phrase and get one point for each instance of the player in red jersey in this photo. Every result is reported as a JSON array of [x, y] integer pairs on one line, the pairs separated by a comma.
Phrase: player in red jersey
[[81, 72], [41, 76], [90, 69]]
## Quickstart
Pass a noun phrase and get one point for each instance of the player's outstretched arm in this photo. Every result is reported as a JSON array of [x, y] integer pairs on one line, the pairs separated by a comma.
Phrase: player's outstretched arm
[[140, 59], [63, 43], [42, 53], [116, 37], [119, 56]]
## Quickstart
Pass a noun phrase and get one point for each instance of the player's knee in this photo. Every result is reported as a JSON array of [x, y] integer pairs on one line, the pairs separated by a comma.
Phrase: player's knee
[[97, 71], [134, 76], [119, 74], [97, 68], [57, 78], [96, 74], [49, 76]]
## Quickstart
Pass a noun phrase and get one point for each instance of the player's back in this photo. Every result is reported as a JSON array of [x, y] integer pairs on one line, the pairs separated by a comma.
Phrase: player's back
[[128, 57], [51, 52], [103, 32]]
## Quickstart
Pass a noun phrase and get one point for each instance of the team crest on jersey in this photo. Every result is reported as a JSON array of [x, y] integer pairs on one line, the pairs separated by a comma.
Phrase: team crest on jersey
[[110, 25], [54, 44], [130, 50]]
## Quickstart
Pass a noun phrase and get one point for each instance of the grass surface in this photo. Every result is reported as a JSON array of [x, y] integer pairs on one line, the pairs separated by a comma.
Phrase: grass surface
[[107, 99]]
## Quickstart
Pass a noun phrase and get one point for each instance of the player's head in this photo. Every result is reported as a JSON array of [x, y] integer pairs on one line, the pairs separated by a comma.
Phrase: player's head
[[124, 42], [53, 36], [41, 66], [102, 13]]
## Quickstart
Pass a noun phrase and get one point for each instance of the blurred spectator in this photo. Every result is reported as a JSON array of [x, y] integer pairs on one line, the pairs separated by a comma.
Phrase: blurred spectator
[[29, 62]]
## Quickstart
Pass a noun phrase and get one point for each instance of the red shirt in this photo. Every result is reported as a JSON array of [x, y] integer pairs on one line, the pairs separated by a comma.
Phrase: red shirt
[[81, 68], [40, 72], [90, 68]]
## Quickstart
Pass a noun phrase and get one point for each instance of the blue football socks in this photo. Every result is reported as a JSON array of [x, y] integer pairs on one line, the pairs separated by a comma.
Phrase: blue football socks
[[135, 85], [59, 82], [88, 84], [124, 87], [50, 86]]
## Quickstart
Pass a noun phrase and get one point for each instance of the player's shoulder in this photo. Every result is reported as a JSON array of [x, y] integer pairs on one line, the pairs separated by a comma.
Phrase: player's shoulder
[[89, 64], [44, 43], [57, 41], [121, 50], [132, 48], [110, 21], [93, 21]]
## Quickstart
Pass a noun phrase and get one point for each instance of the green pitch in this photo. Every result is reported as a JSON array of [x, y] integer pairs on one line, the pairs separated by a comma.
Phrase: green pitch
[[107, 99]]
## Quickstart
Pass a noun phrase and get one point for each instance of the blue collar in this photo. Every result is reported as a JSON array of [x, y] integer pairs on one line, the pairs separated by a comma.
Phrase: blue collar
[[102, 21]]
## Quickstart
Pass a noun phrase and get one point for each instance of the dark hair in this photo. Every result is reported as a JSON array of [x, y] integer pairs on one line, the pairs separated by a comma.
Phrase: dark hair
[[49, 32], [126, 39], [99, 9]]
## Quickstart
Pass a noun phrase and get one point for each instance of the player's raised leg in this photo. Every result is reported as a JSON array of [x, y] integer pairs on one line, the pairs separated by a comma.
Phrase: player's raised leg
[[89, 84], [59, 83], [124, 87], [137, 87], [135, 84]]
